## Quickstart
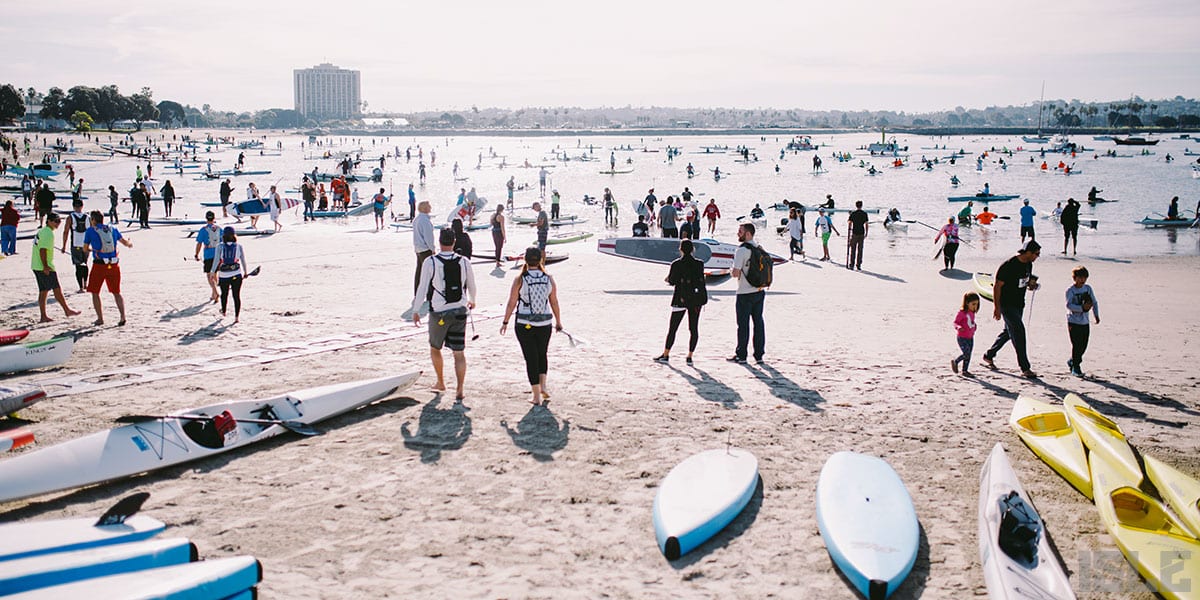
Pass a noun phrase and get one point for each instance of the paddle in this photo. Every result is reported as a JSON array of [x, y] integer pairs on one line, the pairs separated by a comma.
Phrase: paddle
[[122, 510], [295, 426], [574, 341]]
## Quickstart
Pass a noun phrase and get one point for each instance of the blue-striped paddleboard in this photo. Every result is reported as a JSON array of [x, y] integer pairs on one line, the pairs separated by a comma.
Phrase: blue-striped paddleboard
[[700, 496], [868, 522], [46, 570], [19, 540], [220, 578]]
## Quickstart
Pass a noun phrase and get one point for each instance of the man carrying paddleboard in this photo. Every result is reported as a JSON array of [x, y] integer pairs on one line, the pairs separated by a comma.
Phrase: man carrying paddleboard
[[448, 283], [1008, 295]]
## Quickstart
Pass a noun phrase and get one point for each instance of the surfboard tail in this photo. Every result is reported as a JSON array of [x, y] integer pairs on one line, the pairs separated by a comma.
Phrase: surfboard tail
[[877, 589]]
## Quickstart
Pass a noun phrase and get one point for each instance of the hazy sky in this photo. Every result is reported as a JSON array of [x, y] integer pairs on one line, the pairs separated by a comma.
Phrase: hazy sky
[[912, 56]]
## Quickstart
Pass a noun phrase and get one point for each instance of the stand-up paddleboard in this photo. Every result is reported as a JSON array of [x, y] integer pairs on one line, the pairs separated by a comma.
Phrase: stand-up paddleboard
[[18, 396], [1048, 432], [260, 207], [361, 209], [35, 355], [551, 257], [167, 221], [119, 525], [217, 578], [868, 522], [532, 220], [700, 496], [1181, 492], [245, 232], [11, 439], [1150, 537], [1015, 552], [566, 238], [984, 199], [615, 171], [1102, 435], [464, 212], [983, 285], [327, 214], [11, 336], [154, 442], [47, 570], [716, 255]]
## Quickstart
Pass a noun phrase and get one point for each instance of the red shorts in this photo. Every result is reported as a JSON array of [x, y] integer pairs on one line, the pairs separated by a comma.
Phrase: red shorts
[[102, 274]]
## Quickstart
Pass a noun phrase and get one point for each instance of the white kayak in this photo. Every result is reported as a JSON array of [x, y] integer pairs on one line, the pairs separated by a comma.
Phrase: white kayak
[[18, 396], [700, 496], [151, 443], [1021, 566], [35, 355], [45, 570], [119, 525], [218, 579]]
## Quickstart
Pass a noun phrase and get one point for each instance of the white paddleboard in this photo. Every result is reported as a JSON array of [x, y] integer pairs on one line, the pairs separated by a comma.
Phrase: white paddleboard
[[31, 538], [700, 496], [219, 578], [868, 522], [64, 567]]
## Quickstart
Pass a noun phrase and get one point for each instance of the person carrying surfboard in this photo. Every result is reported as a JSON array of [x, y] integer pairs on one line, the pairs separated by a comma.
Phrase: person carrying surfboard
[[448, 284], [1013, 278]]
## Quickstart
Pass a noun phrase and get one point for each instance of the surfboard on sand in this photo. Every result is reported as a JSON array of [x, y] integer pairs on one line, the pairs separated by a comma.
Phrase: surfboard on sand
[[700, 496], [715, 255], [868, 522], [615, 171]]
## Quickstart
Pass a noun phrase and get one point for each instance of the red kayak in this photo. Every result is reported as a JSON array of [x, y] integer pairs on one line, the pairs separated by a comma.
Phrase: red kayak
[[10, 336]]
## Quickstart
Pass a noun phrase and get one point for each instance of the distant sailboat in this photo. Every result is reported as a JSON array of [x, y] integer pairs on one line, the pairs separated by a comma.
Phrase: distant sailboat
[[1039, 139]]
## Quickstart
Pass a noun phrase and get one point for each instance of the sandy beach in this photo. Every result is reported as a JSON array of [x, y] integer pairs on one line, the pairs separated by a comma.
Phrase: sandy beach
[[418, 496]]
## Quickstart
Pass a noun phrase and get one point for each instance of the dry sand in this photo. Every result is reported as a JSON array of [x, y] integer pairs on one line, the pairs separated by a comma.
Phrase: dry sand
[[420, 497]]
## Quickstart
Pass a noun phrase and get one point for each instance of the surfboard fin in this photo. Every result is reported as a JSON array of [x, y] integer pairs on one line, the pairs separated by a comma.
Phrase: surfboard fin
[[123, 509]]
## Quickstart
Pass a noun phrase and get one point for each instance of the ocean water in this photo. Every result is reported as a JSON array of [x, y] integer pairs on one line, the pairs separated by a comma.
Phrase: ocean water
[[1142, 185]]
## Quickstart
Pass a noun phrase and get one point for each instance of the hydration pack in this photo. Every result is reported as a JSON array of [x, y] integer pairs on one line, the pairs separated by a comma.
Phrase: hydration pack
[[452, 280], [1020, 528], [758, 271]]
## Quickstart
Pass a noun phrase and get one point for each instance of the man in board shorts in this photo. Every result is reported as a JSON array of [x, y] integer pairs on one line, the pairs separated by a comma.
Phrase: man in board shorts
[[449, 284], [207, 239], [101, 240]]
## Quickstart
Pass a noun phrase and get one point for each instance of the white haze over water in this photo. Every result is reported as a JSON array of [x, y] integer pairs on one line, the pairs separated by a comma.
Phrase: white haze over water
[[915, 57]]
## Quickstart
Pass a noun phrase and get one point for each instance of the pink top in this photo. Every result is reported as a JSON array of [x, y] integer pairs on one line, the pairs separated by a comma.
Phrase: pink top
[[964, 323]]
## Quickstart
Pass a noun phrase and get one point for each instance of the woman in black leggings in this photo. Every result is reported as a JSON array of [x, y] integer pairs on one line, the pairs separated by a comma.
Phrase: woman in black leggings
[[229, 264], [534, 296], [687, 275]]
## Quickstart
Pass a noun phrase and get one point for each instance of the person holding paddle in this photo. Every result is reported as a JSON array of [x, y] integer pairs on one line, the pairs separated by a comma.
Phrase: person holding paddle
[[229, 266], [534, 297]]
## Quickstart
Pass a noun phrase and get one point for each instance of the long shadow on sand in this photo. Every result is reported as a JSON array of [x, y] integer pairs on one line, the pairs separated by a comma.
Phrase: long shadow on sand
[[787, 390], [209, 331], [668, 292], [539, 433], [178, 313], [737, 527], [1146, 397], [956, 274], [438, 430], [883, 276], [712, 390]]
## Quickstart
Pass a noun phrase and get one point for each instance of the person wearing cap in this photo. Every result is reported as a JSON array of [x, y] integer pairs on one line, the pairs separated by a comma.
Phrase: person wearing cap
[[554, 199], [423, 239], [42, 263], [77, 224], [534, 297], [448, 284], [1013, 278], [229, 267], [101, 241], [1027, 214], [207, 239], [822, 228]]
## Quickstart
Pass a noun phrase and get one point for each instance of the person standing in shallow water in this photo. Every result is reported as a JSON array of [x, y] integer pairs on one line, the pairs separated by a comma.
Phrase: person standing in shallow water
[[687, 275], [950, 248], [534, 297]]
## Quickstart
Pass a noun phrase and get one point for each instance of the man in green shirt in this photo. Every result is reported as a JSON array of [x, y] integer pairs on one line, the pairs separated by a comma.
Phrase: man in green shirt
[[43, 267]]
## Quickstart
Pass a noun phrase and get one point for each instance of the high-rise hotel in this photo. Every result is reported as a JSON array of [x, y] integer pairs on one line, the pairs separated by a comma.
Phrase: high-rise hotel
[[328, 92]]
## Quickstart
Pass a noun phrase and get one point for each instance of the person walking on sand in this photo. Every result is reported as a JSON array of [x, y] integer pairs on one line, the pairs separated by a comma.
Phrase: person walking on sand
[[1081, 300], [610, 208], [379, 204], [424, 241], [1069, 219], [1013, 278], [668, 219], [308, 192], [964, 325], [226, 192], [462, 240], [412, 203], [168, 197], [687, 275], [750, 298], [448, 284], [534, 297], [822, 228], [113, 199], [101, 240], [42, 263], [511, 186], [1027, 214], [712, 213], [77, 224], [229, 267], [950, 247], [795, 225], [543, 226], [207, 240], [499, 233], [857, 226], [554, 202], [275, 206], [9, 219]]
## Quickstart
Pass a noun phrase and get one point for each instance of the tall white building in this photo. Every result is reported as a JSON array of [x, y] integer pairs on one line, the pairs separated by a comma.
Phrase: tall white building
[[328, 92]]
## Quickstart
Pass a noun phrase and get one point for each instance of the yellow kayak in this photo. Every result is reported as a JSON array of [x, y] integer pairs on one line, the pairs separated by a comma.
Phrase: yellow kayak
[[983, 285], [1103, 436], [1152, 540], [1047, 431], [1181, 492]]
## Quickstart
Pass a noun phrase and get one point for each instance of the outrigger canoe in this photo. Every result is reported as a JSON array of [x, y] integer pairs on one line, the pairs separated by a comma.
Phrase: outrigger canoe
[[154, 442]]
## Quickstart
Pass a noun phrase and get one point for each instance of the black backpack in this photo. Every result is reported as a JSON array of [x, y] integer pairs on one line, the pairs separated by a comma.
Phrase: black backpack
[[758, 268], [452, 279], [1020, 528]]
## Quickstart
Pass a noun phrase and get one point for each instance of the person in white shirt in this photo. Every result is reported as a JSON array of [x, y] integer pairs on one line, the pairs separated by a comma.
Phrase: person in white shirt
[[423, 240], [448, 283]]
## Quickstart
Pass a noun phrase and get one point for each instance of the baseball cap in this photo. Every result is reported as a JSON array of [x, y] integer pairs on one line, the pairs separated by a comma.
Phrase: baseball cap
[[1030, 246]]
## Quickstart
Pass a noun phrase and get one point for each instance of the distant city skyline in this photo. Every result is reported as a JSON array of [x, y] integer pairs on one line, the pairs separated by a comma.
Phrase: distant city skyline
[[926, 57]]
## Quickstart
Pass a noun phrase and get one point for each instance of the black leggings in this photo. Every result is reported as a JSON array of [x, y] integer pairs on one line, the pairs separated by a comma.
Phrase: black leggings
[[498, 241], [535, 342], [948, 253], [693, 315], [234, 282]]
